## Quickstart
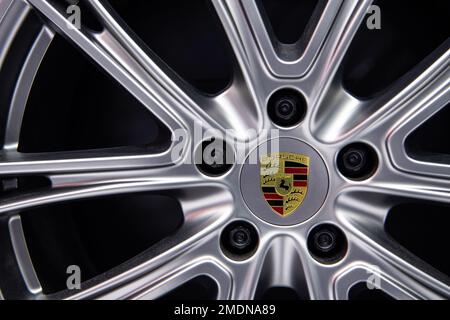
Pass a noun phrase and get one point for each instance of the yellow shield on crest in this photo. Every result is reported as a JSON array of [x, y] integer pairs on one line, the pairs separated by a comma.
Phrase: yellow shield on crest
[[284, 181]]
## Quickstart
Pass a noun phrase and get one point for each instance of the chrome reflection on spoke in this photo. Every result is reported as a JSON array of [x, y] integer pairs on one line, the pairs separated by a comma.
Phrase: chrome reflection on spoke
[[335, 119]]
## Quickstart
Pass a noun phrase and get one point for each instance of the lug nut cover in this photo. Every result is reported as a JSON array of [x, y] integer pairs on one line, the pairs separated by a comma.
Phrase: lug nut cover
[[239, 240], [327, 243], [286, 107], [357, 161]]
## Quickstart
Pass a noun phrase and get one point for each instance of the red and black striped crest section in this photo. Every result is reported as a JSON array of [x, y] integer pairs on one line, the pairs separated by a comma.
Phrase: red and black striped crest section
[[275, 201], [300, 172]]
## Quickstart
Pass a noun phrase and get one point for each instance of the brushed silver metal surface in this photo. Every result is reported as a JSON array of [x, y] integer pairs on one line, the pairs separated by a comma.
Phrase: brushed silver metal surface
[[250, 182], [334, 119]]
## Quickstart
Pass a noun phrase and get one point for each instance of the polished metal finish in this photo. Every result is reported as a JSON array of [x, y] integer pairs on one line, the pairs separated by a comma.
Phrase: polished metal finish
[[335, 118], [303, 58], [22, 256]]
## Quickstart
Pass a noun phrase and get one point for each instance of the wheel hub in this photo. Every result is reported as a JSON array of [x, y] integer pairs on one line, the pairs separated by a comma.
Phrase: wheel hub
[[284, 187]]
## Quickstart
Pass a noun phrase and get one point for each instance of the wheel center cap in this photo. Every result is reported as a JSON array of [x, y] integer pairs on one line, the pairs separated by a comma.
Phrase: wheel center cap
[[286, 187]]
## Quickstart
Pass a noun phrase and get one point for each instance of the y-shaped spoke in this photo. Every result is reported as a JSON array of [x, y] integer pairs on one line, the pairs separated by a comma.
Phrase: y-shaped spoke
[[363, 212]]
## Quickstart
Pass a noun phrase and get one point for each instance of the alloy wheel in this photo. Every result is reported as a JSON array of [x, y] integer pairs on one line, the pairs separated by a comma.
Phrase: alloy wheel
[[95, 175]]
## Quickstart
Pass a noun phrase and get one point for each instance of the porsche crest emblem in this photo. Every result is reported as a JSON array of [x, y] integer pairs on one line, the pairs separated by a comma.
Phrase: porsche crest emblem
[[284, 181]]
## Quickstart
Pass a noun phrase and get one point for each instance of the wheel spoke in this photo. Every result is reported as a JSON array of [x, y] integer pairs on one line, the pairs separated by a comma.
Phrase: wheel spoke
[[182, 256], [241, 100], [69, 187], [393, 114], [402, 271], [22, 90], [230, 109], [278, 263], [364, 221], [320, 280], [246, 278], [327, 94], [414, 186], [283, 267], [372, 278], [239, 33], [424, 106], [248, 19], [23, 260], [114, 50], [194, 261], [13, 163], [347, 22], [174, 260]]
